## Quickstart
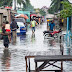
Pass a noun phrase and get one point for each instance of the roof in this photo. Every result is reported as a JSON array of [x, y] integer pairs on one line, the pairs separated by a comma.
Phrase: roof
[[20, 20], [8, 7], [50, 16]]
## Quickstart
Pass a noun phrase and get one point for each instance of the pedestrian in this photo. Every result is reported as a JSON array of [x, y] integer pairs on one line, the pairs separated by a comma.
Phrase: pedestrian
[[14, 26], [7, 27], [51, 26], [5, 37], [39, 20], [61, 24], [33, 23]]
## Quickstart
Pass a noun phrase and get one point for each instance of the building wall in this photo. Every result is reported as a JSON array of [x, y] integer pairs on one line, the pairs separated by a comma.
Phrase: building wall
[[6, 12], [1, 19]]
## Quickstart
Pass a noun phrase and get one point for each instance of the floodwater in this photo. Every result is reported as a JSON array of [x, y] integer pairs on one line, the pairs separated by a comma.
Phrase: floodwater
[[13, 58]]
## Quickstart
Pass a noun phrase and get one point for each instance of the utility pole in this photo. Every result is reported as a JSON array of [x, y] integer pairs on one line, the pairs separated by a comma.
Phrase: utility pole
[[14, 4]]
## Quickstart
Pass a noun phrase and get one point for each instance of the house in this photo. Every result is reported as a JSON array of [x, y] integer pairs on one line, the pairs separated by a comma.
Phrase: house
[[1, 19], [5, 15], [45, 9]]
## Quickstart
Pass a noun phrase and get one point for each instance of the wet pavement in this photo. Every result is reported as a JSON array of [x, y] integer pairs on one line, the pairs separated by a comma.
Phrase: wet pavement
[[13, 58]]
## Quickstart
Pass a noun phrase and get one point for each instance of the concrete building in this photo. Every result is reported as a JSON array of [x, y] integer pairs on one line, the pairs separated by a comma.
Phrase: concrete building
[[45, 9], [1, 19], [5, 15]]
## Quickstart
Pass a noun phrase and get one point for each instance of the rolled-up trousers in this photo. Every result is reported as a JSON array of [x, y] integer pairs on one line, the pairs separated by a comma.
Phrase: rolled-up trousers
[[14, 33]]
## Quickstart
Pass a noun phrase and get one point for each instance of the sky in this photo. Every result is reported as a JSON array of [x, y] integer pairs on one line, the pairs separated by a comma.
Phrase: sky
[[40, 3], [70, 1]]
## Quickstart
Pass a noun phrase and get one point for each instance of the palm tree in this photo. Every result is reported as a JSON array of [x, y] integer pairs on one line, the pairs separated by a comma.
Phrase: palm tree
[[56, 5], [26, 3], [6, 3]]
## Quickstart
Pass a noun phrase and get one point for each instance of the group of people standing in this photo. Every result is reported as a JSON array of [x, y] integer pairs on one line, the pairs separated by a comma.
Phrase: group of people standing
[[8, 29], [6, 32]]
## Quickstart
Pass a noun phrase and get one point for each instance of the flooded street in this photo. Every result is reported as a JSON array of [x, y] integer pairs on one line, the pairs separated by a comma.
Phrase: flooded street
[[13, 58]]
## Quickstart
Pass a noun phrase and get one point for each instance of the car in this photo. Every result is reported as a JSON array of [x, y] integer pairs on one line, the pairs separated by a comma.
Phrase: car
[[22, 28]]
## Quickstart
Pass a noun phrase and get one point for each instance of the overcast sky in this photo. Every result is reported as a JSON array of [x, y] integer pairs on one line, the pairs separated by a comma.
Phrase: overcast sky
[[40, 3], [70, 1]]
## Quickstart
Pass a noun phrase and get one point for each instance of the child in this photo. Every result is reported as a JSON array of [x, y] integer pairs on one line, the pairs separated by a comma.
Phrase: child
[[5, 36]]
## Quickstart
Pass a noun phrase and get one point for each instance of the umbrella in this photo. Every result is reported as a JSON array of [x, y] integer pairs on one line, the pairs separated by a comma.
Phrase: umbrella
[[22, 15], [33, 15], [26, 17]]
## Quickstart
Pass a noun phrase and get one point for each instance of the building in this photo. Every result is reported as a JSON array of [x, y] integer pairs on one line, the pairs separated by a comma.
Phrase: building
[[1, 19], [5, 15], [45, 9]]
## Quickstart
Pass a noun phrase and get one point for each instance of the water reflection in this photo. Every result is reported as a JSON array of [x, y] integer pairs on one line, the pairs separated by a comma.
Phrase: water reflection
[[33, 38], [6, 59], [29, 44], [52, 42], [22, 37]]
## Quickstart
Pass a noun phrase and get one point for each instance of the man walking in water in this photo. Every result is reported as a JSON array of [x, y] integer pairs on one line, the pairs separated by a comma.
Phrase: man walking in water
[[51, 26], [13, 26], [33, 23]]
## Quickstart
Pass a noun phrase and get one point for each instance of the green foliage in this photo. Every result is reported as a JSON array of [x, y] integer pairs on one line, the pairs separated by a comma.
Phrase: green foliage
[[56, 6], [5, 3], [67, 11], [42, 12], [20, 1], [28, 6], [51, 10]]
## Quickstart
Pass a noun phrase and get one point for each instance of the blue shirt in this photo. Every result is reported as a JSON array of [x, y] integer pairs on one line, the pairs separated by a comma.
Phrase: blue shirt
[[51, 26]]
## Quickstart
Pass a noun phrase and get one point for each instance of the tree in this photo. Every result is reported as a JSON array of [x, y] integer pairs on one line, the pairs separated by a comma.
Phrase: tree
[[67, 11], [5, 3], [56, 5], [42, 12], [26, 4], [51, 10]]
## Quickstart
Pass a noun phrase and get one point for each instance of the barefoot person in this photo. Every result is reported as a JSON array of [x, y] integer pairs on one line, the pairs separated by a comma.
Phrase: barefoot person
[[51, 26], [7, 27], [5, 37], [33, 23], [13, 26]]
